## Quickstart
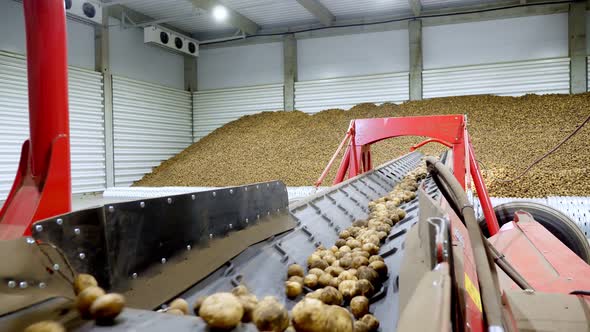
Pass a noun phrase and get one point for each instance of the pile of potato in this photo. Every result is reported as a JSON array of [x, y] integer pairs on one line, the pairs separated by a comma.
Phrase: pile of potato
[[344, 276]]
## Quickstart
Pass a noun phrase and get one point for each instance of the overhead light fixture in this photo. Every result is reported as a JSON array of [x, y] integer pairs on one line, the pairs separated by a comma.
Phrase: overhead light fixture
[[219, 13]]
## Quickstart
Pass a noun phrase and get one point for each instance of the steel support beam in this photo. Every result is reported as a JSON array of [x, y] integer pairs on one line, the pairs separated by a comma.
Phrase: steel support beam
[[415, 32], [102, 65], [190, 73], [234, 18], [318, 10], [577, 47], [416, 6], [290, 71]]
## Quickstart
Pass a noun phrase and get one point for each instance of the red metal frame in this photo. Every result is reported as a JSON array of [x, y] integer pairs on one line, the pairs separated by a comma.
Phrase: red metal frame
[[449, 130], [42, 186]]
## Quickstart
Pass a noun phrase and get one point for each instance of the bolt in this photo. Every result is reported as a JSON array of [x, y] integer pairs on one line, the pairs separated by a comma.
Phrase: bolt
[[77, 231], [42, 285], [231, 191], [134, 275], [82, 255], [56, 267], [188, 247], [245, 188], [231, 226], [59, 221], [257, 216], [142, 204], [210, 236], [11, 284], [214, 194], [529, 291], [30, 240], [23, 284], [256, 186], [39, 228], [163, 260], [246, 220], [111, 208], [193, 197], [169, 200]]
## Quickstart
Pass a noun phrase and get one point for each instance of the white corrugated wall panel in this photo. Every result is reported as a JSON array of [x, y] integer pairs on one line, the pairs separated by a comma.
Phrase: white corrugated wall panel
[[215, 108], [504, 79], [86, 124], [315, 96], [151, 123]]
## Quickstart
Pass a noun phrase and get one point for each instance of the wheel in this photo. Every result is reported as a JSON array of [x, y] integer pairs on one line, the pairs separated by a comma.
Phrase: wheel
[[557, 223]]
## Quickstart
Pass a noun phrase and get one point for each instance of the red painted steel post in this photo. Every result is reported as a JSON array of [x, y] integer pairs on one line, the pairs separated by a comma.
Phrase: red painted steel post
[[48, 81], [482, 193]]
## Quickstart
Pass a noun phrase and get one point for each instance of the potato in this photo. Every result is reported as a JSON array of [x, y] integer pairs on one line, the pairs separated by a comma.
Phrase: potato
[[86, 298], [380, 267], [83, 281], [315, 294], [198, 304], [331, 295], [371, 322], [346, 262], [359, 306], [338, 320], [296, 279], [353, 243], [180, 304], [309, 315], [346, 275], [293, 289], [249, 303], [360, 223], [240, 290], [107, 307], [359, 261], [311, 281], [324, 280], [270, 315], [365, 272], [290, 329], [360, 326], [295, 270], [335, 270], [336, 263], [353, 272], [361, 253], [334, 249], [375, 258], [45, 326], [312, 259], [345, 234], [320, 264], [365, 288], [316, 271], [330, 259], [174, 311], [335, 282], [348, 289], [222, 311], [401, 213], [345, 249], [371, 248], [340, 243]]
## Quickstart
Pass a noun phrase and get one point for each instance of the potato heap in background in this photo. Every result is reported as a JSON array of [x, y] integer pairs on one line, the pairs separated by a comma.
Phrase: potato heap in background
[[344, 276]]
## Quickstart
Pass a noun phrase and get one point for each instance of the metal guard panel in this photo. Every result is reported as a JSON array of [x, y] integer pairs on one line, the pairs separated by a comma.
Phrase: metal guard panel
[[118, 242]]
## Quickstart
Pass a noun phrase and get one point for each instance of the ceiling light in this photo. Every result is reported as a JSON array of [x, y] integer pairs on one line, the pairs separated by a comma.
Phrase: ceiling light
[[219, 13]]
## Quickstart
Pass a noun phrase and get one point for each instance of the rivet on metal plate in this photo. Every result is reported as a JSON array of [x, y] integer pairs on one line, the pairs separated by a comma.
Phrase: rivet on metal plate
[[246, 220], [193, 197], [82, 255], [59, 221], [163, 260], [11, 284], [38, 228], [111, 208], [169, 200], [210, 236], [214, 194], [245, 188], [77, 231], [141, 204], [231, 226], [231, 191], [134, 276], [23, 284], [30, 240], [56, 267], [42, 285], [188, 247]]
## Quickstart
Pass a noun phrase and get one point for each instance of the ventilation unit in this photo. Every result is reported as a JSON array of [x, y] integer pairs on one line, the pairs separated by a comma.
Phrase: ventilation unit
[[170, 40], [87, 10]]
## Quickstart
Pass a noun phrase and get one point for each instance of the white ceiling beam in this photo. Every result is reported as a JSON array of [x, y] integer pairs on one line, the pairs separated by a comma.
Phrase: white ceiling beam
[[416, 6], [234, 18], [318, 10]]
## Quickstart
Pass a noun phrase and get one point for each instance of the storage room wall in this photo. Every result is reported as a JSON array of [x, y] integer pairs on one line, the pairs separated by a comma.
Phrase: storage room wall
[[512, 56], [12, 24]]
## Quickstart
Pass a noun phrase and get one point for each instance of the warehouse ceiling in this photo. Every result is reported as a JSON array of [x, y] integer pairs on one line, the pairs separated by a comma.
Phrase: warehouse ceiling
[[195, 17]]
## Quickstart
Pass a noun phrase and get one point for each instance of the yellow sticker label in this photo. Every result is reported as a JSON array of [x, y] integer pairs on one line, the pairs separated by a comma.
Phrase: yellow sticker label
[[473, 292]]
